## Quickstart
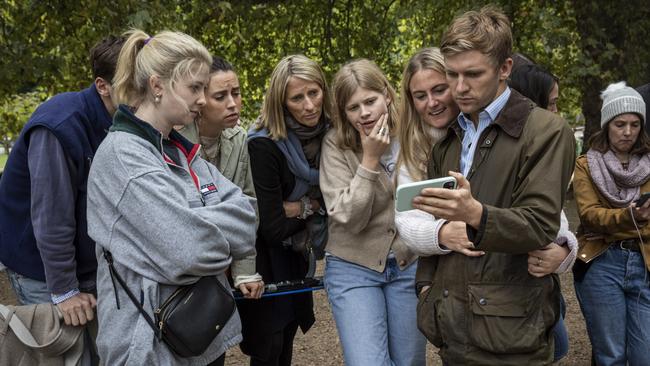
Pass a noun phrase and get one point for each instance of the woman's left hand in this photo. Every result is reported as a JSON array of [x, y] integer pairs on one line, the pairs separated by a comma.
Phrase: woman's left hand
[[252, 290], [542, 262], [641, 213]]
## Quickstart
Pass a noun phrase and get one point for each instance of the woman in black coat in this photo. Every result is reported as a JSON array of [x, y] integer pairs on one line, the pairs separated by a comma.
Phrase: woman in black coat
[[284, 148]]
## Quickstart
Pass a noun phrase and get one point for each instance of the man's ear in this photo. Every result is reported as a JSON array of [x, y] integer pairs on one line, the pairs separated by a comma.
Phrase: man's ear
[[505, 69], [103, 87]]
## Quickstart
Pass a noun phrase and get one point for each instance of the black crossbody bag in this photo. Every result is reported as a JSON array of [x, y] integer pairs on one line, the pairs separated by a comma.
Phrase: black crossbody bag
[[190, 318]]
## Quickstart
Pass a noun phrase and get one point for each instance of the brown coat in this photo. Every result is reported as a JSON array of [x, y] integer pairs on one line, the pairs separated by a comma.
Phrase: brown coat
[[488, 309], [361, 208], [599, 217]]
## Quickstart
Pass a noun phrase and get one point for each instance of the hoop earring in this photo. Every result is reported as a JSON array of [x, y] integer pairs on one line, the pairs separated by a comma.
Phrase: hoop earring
[[156, 98]]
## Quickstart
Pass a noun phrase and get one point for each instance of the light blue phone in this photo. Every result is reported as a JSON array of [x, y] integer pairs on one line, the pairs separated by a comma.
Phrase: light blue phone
[[407, 192]]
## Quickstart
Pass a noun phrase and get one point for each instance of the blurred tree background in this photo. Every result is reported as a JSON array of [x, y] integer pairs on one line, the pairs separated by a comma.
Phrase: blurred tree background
[[587, 44]]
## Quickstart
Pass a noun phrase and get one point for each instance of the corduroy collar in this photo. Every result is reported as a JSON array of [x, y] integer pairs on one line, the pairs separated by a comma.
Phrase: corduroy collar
[[512, 117], [126, 121]]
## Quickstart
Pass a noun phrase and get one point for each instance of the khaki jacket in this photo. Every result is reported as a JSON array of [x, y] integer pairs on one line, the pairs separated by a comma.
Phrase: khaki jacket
[[234, 162], [361, 208], [597, 216], [488, 310]]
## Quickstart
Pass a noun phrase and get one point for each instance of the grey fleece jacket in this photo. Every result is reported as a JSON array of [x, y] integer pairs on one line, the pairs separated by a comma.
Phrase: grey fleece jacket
[[150, 214]]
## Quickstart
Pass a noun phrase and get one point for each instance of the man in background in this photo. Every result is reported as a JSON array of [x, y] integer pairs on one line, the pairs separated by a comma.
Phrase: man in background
[[43, 238]]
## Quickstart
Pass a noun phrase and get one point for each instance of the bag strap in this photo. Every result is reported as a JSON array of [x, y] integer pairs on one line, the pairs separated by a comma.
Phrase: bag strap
[[116, 276], [72, 351]]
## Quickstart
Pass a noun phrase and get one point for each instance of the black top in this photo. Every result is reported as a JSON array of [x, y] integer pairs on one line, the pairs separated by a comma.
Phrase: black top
[[273, 183]]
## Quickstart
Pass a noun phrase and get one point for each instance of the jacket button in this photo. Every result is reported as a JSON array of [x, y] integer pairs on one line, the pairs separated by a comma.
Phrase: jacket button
[[487, 142], [402, 263], [482, 301], [445, 293]]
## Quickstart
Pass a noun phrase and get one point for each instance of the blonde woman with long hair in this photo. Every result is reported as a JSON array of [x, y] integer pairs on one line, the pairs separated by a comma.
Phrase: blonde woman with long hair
[[167, 216], [285, 149], [426, 110], [369, 272]]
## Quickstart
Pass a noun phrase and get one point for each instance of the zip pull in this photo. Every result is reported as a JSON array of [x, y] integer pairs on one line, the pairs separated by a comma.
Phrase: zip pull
[[109, 259]]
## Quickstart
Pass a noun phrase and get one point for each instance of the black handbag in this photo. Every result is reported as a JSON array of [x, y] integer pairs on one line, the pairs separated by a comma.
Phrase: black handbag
[[191, 317]]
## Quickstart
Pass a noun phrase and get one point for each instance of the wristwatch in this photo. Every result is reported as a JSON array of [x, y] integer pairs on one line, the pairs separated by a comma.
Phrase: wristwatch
[[305, 208]]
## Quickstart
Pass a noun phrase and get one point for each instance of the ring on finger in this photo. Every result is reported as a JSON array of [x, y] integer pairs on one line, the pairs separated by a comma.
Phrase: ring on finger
[[382, 131], [539, 261]]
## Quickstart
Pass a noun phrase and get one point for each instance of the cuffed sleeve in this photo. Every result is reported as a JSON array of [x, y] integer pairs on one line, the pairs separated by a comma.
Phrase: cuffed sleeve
[[348, 193], [566, 236], [53, 210]]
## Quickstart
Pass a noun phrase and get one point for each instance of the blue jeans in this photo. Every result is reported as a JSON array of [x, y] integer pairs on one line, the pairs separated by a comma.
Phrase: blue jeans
[[560, 334], [29, 291], [375, 313], [614, 296]]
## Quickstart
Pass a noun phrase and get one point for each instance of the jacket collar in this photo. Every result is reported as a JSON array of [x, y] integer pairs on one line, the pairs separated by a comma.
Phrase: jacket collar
[[512, 117], [96, 107], [126, 121]]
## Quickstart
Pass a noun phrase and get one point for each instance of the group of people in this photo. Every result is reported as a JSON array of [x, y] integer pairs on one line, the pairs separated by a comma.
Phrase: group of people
[[178, 190]]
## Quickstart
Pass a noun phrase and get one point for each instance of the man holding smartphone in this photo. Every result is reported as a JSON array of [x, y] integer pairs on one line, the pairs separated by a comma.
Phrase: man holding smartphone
[[512, 161]]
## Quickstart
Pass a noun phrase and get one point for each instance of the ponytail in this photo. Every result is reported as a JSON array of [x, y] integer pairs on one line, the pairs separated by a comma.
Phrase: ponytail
[[169, 55], [125, 87]]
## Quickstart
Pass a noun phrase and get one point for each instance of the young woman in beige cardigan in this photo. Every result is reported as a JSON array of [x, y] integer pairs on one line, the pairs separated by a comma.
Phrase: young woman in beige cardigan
[[370, 273]]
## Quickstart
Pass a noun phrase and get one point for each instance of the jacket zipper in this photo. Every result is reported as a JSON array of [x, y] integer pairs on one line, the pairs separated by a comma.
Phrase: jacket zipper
[[189, 165]]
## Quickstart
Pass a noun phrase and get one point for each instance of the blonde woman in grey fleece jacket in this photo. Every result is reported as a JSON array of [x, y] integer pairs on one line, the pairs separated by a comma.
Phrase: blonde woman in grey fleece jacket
[[167, 216], [370, 273]]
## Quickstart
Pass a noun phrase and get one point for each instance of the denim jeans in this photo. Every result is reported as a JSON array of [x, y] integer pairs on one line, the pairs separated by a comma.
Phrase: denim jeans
[[29, 291], [560, 334], [375, 313], [614, 296]]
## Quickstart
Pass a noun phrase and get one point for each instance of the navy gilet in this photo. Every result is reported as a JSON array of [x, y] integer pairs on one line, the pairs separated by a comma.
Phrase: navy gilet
[[80, 121]]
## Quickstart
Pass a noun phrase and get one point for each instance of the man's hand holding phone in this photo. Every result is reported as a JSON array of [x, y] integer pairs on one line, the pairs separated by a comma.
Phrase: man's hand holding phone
[[452, 205]]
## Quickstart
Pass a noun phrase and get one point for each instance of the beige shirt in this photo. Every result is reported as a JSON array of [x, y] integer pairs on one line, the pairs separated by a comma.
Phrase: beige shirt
[[361, 208]]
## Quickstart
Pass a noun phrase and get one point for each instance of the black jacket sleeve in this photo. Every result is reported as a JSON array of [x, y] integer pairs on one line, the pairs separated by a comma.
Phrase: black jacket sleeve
[[273, 181]]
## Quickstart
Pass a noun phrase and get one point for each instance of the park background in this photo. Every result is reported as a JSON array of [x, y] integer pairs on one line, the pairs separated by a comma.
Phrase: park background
[[44, 49]]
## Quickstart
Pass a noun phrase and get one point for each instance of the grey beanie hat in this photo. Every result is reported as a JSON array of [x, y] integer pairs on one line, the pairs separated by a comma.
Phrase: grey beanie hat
[[619, 98]]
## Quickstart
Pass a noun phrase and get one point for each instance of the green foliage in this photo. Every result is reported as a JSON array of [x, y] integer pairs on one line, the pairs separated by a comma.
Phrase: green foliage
[[3, 161], [14, 112], [45, 44]]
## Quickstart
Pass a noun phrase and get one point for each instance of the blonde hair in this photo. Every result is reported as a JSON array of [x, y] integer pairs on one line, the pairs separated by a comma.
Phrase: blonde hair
[[170, 55], [487, 31], [415, 141], [302, 67], [361, 73]]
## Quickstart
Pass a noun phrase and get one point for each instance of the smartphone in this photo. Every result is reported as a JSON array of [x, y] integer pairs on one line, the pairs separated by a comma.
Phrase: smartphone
[[642, 200], [407, 192]]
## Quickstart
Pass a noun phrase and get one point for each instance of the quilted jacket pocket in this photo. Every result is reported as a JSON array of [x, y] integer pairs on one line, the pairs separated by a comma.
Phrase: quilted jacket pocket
[[506, 318]]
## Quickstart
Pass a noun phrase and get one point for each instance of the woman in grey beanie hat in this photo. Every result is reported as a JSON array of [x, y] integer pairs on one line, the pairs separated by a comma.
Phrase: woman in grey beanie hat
[[611, 280]]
